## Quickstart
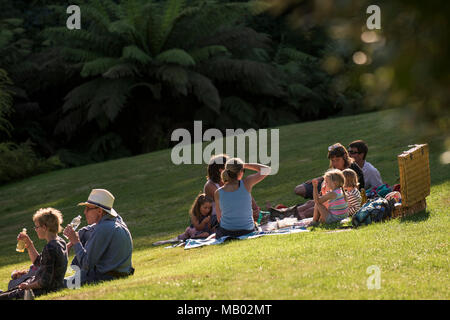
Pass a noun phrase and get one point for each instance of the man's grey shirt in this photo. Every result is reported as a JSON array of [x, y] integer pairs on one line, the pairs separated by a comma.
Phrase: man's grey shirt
[[372, 177]]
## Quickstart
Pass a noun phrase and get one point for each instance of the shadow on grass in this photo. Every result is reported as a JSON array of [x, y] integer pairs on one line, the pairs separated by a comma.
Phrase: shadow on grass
[[417, 217]]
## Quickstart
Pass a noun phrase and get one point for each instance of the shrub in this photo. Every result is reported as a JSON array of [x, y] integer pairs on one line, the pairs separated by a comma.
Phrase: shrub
[[20, 161]]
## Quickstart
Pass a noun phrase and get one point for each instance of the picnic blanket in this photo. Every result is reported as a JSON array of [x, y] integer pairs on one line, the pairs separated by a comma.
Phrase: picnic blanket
[[195, 243]]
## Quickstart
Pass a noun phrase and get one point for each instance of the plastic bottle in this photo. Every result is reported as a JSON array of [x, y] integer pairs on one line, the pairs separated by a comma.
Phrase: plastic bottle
[[20, 243], [75, 223], [28, 295]]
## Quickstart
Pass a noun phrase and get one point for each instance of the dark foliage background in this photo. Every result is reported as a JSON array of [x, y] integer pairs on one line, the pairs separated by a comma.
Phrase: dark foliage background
[[138, 69]]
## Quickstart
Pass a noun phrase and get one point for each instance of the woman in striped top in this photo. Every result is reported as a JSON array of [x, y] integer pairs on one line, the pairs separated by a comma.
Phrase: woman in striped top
[[351, 190], [337, 200]]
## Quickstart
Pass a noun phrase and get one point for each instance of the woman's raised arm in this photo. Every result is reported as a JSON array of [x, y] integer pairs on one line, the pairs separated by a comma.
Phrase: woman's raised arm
[[262, 171]]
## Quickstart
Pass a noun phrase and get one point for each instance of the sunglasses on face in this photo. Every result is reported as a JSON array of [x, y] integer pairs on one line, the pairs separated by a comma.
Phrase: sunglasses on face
[[353, 152]]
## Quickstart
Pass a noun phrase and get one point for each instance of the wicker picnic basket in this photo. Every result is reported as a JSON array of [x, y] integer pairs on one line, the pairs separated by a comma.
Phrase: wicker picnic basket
[[414, 168]]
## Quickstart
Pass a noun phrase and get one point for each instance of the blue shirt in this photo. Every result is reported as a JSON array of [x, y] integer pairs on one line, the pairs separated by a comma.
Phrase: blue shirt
[[108, 247], [236, 207]]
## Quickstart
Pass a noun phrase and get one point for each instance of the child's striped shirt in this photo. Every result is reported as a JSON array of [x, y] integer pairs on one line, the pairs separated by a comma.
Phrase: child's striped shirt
[[354, 201], [338, 206]]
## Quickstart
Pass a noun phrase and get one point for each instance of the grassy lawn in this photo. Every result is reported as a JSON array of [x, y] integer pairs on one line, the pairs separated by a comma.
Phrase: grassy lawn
[[153, 196]]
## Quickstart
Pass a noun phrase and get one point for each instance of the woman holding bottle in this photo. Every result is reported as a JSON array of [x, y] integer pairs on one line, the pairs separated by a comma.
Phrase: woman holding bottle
[[50, 265]]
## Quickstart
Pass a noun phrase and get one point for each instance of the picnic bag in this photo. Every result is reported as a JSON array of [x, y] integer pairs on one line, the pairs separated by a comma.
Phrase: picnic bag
[[373, 211]]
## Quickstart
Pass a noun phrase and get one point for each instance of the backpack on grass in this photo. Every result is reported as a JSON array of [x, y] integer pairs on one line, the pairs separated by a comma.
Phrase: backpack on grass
[[373, 211]]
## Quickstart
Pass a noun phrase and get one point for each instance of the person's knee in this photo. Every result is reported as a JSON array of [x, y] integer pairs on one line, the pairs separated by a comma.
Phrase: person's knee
[[300, 190]]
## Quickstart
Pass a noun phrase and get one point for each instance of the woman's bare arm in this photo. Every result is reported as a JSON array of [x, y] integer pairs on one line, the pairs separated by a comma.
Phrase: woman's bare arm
[[217, 204], [262, 172]]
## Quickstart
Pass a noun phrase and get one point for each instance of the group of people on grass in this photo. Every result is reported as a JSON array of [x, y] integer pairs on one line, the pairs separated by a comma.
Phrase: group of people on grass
[[226, 207], [102, 249]]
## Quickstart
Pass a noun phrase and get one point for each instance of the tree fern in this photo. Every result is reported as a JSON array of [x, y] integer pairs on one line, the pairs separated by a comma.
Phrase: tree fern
[[205, 91], [205, 53], [175, 77], [98, 66], [297, 90], [252, 76], [238, 40], [109, 100], [290, 54], [239, 109], [81, 95], [203, 22], [122, 70], [165, 24], [134, 53], [176, 56]]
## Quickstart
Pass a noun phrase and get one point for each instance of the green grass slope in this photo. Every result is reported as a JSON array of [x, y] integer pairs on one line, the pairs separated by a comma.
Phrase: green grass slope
[[153, 196]]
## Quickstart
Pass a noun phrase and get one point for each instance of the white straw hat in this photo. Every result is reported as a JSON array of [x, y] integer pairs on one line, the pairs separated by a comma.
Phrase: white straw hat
[[103, 199]]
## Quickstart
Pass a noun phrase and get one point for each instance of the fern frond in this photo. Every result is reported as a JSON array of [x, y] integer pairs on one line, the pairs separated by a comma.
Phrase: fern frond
[[205, 91], [256, 77], [172, 10], [176, 56], [287, 54], [175, 77], [81, 95], [205, 53], [121, 71], [239, 40], [240, 110], [109, 99], [134, 53], [70, 122], [78, 55], [194, 25], [298, 90], [98, 66], [95, 12]]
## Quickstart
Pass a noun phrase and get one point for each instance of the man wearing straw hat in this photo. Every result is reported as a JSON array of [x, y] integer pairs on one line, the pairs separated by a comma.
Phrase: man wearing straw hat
[[104, 252]]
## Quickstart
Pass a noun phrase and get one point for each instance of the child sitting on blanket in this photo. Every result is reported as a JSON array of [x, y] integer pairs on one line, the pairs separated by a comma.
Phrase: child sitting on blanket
[[200, 215], [306, 210], [337, 199], [351, 187]]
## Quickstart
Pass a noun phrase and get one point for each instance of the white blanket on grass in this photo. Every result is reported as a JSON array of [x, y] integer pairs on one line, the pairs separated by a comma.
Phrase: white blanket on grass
[[195, 243]]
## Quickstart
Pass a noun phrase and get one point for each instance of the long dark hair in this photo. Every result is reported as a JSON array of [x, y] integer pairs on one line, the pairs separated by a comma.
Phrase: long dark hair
[[338, 150], [216, 163], [198, 202]]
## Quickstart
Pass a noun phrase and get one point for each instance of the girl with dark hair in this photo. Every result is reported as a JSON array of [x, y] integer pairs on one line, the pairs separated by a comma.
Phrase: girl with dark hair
[[200, 214]]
